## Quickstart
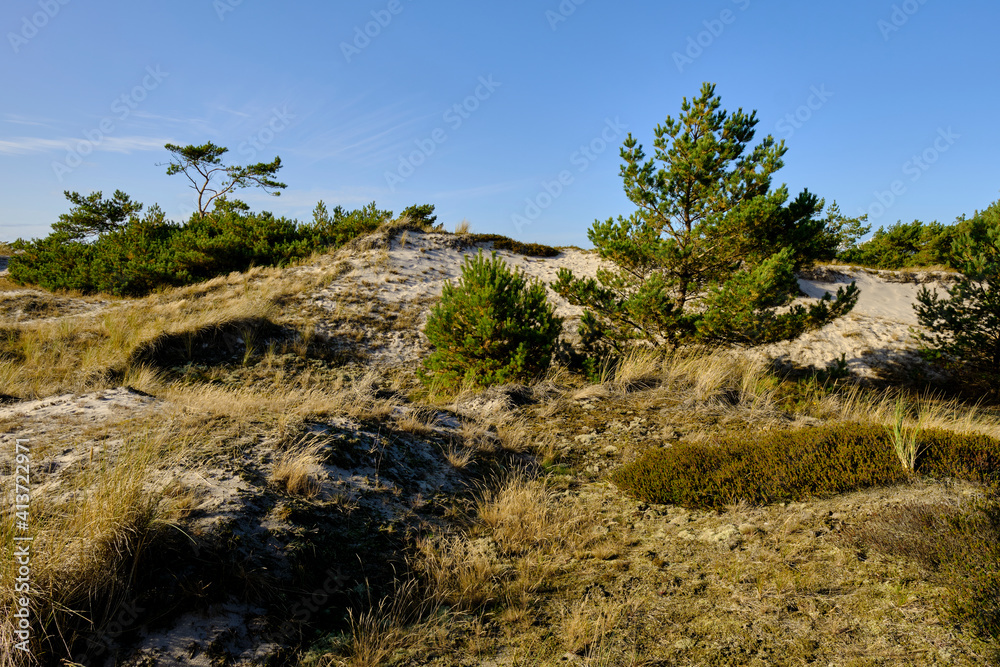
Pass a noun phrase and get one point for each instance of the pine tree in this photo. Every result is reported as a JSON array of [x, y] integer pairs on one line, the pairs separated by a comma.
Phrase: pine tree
[[964, 328], [490, 328], [709, 255]]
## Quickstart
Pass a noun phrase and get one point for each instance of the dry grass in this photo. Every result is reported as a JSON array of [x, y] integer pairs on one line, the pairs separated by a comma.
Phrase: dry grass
[[290, 403], [296, 472], [694, 385], [386, 628], [585, 622], [90, 533], [462, 228], [477, 436], [922, 411], [521, 517], [461, 573], [416, 422], [458, 457], [84, 352]]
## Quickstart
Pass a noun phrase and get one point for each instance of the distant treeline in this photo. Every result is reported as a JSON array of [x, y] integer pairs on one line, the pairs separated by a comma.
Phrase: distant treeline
[[109, 246], [918, 244]]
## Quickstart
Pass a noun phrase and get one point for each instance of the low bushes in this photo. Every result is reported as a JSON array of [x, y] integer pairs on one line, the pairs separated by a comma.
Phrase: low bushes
[[778, 466], [504, 243], [917, 244]]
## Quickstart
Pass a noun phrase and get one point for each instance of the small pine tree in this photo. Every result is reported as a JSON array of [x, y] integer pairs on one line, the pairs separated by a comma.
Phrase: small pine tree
[[492, 327], [964, 328], [708, 257]]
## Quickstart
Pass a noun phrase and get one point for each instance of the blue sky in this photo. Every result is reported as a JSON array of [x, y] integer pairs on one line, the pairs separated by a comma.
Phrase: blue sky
[[480, 108]]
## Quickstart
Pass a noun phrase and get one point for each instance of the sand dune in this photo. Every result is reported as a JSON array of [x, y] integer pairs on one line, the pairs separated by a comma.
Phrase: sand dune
[[877, 332]]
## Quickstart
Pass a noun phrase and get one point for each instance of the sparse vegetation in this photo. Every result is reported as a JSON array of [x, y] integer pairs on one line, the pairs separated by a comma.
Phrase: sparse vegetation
[[954, 543], [255, 443]]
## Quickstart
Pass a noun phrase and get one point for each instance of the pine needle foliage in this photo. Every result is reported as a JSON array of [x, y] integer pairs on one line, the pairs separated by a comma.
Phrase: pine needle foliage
[[963, 329], [492, 327], [708, 257]]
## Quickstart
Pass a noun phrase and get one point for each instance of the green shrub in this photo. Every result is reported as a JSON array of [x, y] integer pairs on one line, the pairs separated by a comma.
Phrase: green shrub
[[778, 466], [137, 258], [332, 230], [53, 263], [233, 239], [104, 246], [916, 244], [903, 245], [421, 215], [492, 327], [708, 255], [517, 247]]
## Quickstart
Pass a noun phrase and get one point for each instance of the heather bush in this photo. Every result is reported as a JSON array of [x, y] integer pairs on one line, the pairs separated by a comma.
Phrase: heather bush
[[776, 466], [517, 247]]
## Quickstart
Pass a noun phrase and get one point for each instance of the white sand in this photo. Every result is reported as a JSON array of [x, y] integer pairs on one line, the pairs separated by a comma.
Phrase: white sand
[[91, 408], [880, 330]]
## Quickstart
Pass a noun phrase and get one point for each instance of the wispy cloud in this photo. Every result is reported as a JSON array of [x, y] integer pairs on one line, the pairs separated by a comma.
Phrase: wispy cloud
[[220, 107], [25, 120], [371, 137], [30, 145]]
